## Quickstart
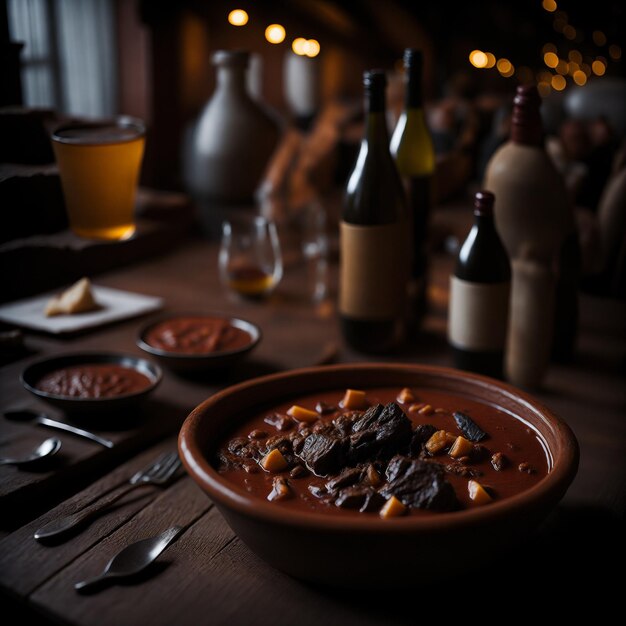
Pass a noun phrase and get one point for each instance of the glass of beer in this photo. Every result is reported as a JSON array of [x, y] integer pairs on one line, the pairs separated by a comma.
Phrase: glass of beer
[[99, 165]]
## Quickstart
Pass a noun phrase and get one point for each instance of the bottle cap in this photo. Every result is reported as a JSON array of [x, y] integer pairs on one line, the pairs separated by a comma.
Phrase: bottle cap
[[483, 203], [375, 79], [413, 58], [230, 58], [526, 119]]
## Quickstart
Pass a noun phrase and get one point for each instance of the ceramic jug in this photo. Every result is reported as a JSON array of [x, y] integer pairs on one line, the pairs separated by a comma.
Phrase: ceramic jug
[[233, 140]]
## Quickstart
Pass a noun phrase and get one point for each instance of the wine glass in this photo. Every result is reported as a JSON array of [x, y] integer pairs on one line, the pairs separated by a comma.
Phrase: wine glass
[[250, 261], [315, 248]]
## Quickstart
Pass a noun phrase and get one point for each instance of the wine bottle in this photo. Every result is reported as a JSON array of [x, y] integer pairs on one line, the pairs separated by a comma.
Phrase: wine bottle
[[479, 295], [535, 219], [412, 148], [374, 238]]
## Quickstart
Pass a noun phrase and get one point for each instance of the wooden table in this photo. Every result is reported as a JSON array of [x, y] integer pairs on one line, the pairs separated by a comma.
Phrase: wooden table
[[208, 575]]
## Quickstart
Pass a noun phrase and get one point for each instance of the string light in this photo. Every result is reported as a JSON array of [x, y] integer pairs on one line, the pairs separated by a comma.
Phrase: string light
[[598, 68], [478, 58], [551, 59], [306, 47], [275, 33], [312, 48], [299, 46], [238, 17]]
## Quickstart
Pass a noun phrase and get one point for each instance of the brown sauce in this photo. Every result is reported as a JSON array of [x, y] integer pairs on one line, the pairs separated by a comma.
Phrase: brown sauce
[[94, 381], [516, 441], [197, 335]]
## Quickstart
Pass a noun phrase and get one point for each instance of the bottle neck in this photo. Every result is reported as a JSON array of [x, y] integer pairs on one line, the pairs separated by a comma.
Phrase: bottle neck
[[526, 123], [483, 220], [232, 79], [376, 120], [413, 95]]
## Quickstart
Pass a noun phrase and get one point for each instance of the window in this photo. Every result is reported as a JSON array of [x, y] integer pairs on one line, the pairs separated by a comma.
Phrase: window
[[68, 60]]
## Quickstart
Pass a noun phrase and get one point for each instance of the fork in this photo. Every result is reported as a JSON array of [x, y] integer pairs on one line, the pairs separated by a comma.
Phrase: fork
[[159, 472]]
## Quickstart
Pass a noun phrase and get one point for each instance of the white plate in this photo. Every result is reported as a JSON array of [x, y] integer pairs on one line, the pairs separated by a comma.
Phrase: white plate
[[115, 305]]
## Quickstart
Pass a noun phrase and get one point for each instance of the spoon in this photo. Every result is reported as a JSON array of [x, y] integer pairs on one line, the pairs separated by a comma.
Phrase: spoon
[[133, 558], [45, 449], [41, 418]]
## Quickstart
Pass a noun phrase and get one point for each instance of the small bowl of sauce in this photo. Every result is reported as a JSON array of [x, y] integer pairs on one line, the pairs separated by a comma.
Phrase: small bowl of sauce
[[198, 341], [89, 382]]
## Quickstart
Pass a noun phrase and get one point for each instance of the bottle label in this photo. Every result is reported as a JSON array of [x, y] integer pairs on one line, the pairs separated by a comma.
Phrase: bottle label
[[374, 270], [478, 314]]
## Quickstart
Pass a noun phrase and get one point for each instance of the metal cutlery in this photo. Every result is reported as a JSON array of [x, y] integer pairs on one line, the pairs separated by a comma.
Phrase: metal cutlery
[[133, 558], [43, 451], [157, 473], [41, 418]]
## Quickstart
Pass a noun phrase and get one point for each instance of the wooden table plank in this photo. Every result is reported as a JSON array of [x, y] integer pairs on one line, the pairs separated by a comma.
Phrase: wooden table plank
[[25, 563], [182, 505], [78, 458]]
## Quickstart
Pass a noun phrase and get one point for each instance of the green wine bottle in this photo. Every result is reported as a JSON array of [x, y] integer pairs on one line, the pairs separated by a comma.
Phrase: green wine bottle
[[374, 237], [412, 148]]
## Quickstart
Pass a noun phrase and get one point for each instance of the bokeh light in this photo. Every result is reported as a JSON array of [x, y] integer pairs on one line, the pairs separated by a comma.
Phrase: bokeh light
[[478, 58], [275, 33], [615, 52], [550, 59], [504, 66], [598, 68], [569, 31], [299, 46], [599, 38], [238, 17], [312, 48], [558, 83], [575, 56], [580, 78], [549, 5]]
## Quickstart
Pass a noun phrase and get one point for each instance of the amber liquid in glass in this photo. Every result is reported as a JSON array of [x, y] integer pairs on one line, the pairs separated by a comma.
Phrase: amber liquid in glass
[[250, 281], [99, 167]]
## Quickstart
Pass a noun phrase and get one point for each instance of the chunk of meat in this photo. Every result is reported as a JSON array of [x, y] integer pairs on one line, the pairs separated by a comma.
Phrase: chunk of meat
[[468, 427], [379, 433], [279, 421], [421, 434], [420, 484], [362, 498], [348, 477], [322, 454]]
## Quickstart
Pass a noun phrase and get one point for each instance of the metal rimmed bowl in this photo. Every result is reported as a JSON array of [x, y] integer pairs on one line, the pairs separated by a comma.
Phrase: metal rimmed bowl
[[34, 372], [358, 550], [186, 361]]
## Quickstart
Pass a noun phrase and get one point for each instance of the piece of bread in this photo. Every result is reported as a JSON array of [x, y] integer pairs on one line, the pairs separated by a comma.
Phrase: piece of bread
[[77, 299]]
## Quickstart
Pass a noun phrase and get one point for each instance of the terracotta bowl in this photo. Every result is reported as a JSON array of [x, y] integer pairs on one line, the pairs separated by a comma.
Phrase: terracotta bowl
[[361, 548]]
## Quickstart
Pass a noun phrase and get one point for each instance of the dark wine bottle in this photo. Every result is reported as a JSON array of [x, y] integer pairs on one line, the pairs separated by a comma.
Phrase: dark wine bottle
[[374, 237], [479, 295], [412, 148]]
